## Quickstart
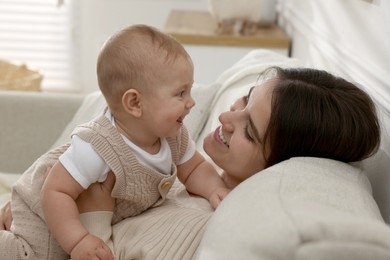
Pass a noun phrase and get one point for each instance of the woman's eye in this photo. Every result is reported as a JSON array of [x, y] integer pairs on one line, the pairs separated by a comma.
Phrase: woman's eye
[[245, 99], [247, 134]]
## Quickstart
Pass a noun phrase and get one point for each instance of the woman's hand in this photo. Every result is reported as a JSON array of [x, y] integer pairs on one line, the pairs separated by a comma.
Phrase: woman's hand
[[6, 217], [98, 196]]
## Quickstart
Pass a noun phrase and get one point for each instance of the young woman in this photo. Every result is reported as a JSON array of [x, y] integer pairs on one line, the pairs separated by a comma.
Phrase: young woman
[[296, 112]]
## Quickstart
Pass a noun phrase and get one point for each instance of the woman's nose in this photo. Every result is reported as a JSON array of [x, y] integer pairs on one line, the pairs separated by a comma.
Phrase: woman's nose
[[227, 120]]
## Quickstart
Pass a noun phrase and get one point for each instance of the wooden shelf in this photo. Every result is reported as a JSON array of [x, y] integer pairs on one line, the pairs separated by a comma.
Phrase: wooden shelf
[[199, 28]]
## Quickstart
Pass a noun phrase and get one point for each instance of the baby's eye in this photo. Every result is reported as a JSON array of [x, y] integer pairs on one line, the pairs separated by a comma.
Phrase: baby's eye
[[181, 93]]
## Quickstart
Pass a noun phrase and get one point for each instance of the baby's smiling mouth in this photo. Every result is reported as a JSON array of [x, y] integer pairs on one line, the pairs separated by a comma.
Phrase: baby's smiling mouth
[[180, 120]]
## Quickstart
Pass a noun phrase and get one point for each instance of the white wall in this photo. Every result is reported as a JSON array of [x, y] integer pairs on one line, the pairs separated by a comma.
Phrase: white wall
[[100, 18]]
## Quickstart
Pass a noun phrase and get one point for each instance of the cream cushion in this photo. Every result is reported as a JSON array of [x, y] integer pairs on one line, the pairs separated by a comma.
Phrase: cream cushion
[[303, 208]]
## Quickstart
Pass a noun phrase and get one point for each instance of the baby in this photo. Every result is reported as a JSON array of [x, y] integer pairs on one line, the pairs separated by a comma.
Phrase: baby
[[146, 78]]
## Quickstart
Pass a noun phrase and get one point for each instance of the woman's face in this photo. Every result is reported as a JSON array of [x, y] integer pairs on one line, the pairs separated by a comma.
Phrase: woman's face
[[237, 146]]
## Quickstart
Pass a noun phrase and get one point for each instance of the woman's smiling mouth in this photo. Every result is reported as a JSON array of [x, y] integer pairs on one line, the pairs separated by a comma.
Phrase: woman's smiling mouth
[[218, 135]]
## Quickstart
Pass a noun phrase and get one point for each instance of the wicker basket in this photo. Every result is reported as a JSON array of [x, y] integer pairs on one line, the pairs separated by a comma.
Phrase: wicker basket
[[19, 77]]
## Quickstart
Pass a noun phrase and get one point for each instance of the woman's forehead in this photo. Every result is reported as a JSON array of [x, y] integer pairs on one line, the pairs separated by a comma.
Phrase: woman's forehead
[[262, 91]]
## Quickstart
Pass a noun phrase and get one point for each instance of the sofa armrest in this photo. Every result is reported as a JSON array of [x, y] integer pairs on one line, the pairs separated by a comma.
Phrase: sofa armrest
[[30, 124]]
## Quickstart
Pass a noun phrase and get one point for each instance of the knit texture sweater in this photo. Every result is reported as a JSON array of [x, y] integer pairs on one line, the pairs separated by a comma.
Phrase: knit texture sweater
[[172, 231]]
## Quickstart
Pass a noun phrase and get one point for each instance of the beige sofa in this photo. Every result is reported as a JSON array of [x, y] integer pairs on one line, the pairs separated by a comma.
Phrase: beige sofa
[[32, 122], [269, 216]]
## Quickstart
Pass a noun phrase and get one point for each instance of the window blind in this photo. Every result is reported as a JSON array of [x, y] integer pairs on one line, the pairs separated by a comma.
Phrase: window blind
[[42, 35]]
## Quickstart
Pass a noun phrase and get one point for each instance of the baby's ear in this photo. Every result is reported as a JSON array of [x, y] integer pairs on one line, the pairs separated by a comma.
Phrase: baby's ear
[[131, 102]]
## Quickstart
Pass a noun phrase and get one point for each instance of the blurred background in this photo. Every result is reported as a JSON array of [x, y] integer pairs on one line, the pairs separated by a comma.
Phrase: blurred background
[[61, 38]]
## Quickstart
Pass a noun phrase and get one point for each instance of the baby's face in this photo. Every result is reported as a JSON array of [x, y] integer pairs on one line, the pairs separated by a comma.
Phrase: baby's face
[[169, 100]]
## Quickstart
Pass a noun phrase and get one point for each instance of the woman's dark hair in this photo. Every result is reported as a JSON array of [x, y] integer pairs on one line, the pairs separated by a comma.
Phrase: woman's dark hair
[[317, 114]]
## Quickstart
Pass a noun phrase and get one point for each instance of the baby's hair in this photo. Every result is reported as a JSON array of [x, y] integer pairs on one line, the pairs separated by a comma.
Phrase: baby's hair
[[130, 57], [316, 114]]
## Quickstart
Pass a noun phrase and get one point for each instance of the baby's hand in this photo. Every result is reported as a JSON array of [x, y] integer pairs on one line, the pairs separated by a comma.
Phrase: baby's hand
[[91, 247], [217, 196]]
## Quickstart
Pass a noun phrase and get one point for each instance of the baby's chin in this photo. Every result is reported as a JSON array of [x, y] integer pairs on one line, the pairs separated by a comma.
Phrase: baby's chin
[[174, 133]]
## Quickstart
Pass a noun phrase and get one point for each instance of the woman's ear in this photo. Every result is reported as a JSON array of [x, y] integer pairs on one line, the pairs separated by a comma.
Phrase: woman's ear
[[131, 102]]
